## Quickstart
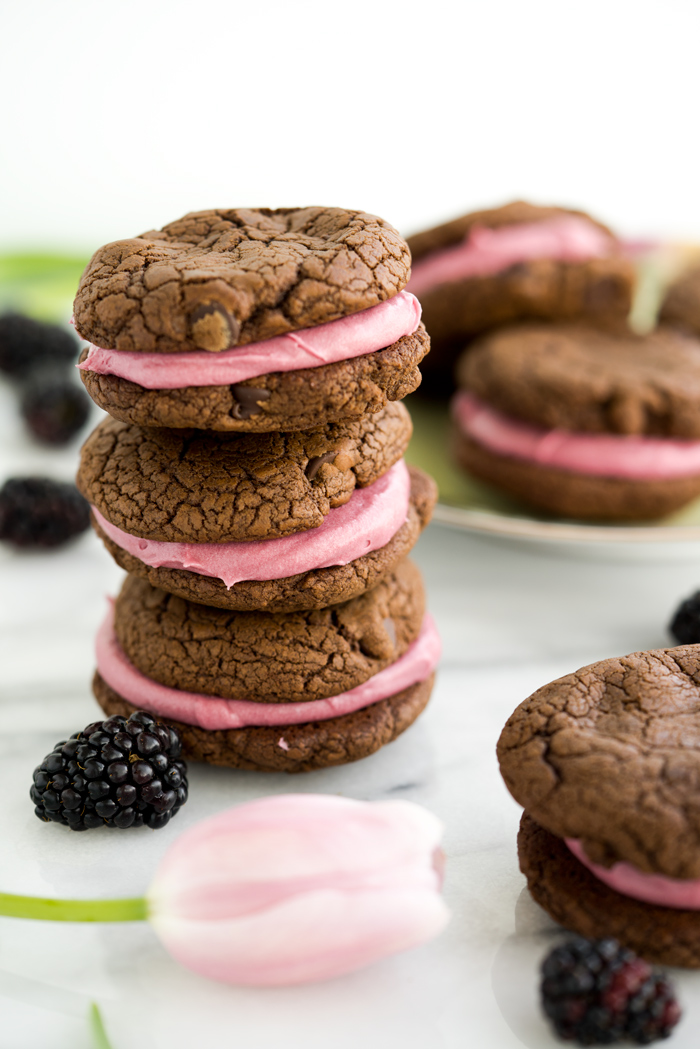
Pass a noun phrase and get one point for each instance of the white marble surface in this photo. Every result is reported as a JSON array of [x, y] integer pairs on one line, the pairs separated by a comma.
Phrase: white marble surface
[[512, 617]]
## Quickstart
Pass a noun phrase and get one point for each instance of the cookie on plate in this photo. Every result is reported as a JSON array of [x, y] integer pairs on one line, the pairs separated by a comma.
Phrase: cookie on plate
[[251, 320], [272, 692], [582, 422], [606, 763], [516, 262], [681, 304]]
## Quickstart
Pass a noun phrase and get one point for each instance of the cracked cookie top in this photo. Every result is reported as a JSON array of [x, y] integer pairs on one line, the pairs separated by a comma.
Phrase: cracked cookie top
[[265, 656], [580, 378], [223, 278], [610, 756], [191, 486]]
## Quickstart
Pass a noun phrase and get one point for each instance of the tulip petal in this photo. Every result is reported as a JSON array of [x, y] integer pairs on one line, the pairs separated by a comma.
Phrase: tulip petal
[[316, 936], [302, 887], [256, 853]]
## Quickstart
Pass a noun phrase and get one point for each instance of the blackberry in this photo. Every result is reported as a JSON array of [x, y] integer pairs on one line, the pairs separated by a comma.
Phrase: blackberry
[[36, 512], [26, 343], [54, 406], [115, 773], [685, 625], [596, 992]]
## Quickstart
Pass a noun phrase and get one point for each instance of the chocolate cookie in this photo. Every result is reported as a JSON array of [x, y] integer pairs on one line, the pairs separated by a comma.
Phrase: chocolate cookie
[[590, 380], [190, 486], [294, 748], [228, 277], [681, 306], [294, 400], [269, 657], [607, 761], [583, 422], [166, 313], [572, 896], [315, 588], [598, 287], [611, 755]]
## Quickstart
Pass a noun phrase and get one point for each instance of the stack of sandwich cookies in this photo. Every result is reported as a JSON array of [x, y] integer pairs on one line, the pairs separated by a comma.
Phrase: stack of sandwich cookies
[[583, 422], [606, 763], [513, 263], [275, 523]]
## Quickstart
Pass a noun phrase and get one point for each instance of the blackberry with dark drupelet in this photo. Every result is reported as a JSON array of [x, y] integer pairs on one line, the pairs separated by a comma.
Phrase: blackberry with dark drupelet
[[685, 625], [116, 773], [41, 512], [26, 343], [596, 992], [54, 406]]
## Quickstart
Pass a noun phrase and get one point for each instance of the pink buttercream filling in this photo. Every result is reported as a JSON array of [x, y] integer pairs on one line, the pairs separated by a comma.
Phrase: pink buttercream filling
[[369, 519], [365, 332], [651, 888], [212, 712], [603, 454], [485, 251]]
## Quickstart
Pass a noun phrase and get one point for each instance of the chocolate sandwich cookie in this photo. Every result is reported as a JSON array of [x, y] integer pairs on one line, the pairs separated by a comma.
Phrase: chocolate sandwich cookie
[[191, 486], [606, 763], [259, 690], [251, 320], [292, 579], [681, 305], [513, 263], [582, 422], [314, 587]]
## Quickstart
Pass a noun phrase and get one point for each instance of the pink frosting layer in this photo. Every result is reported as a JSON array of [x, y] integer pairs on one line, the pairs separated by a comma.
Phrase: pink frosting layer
[[485, 251], [211, 712], [365, 332], [601, 454], [651, 888], [366, 522]]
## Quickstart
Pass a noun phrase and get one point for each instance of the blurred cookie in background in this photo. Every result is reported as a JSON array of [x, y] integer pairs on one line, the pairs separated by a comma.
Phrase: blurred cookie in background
[[512, 263], [681, 306], [583, 422]]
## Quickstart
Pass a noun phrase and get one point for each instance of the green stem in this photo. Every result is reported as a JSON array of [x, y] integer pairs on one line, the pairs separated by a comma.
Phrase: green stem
[[97, 1028], [130, 910]]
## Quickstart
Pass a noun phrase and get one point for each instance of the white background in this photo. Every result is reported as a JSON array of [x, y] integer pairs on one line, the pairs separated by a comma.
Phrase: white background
[[121, 116]]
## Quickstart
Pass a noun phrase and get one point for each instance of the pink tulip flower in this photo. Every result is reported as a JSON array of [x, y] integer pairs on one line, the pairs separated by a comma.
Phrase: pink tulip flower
[[299, 887]]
